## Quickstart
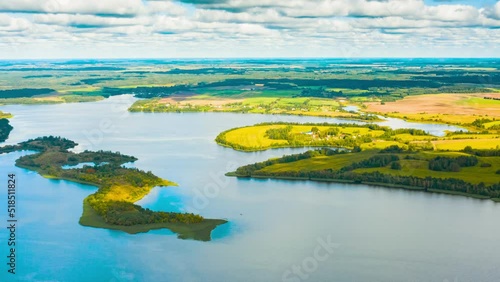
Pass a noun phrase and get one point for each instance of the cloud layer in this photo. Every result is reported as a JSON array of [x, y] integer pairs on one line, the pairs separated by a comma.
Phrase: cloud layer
[[245, 28]]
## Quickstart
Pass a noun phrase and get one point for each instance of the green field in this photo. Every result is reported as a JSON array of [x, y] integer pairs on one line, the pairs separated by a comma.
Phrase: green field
[[319, 163], [476, 176], [419, 168]]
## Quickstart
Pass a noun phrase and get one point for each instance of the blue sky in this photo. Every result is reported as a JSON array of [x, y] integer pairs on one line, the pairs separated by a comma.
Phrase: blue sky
[[248, 28]]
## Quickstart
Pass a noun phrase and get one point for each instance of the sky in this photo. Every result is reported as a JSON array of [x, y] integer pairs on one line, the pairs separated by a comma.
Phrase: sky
[[51, 29]]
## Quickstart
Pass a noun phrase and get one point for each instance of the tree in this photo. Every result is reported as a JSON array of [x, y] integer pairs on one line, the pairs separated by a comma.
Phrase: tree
[[396, 166]]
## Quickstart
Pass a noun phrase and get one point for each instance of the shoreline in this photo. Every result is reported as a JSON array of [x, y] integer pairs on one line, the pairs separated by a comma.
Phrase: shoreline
[[385, 185]]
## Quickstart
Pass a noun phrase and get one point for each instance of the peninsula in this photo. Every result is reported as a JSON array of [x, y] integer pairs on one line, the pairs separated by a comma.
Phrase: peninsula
[[112, 206]]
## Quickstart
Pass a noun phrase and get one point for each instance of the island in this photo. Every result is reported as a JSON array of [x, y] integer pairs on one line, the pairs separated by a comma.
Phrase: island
[[112, 206]]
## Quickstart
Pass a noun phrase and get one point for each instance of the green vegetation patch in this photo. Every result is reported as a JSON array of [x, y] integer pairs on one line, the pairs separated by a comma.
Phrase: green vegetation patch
[[277, 135], [112, 206], [476, 177]]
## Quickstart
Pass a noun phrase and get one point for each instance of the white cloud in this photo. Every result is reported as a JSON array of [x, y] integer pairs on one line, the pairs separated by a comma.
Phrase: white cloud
[[108, 7], [493, 12], [250, 27]]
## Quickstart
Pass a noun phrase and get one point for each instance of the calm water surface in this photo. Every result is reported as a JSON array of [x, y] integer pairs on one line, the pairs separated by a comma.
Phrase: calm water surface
[[380, 234]]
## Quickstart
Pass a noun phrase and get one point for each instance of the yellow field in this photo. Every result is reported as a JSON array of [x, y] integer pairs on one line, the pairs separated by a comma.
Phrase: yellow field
[[409, 137], [381, 144], [456, 145], [253, 136], [490, 124], [443, 108]]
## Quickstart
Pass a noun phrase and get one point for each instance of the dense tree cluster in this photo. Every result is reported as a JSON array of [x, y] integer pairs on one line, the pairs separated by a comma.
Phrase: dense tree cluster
[[128, 214], [396, 166], [41, 144], [5, 129], [411, 131], [25, 92], [320, 92], [452, 164], [393, 149], [481, 153], [279, 133], [480, 122]]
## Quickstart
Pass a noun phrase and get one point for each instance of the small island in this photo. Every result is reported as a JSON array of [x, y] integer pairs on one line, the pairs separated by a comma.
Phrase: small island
[[112, 206]]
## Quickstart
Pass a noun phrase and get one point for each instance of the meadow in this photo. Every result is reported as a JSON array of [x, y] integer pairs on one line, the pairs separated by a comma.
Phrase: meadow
[[473, 173]]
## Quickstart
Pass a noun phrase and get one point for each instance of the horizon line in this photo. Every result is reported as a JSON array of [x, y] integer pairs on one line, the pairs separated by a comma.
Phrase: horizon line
[[240, 58]]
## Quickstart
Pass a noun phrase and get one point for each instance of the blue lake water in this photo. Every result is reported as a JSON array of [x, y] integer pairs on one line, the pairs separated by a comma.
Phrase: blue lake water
[[81, 165], [380, 234]]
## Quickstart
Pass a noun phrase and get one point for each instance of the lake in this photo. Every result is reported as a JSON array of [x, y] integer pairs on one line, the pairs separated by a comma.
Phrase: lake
[[277, 229]]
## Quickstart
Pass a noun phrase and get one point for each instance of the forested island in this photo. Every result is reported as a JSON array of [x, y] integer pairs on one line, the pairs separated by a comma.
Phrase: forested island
[[112, 206], [470, 172]]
